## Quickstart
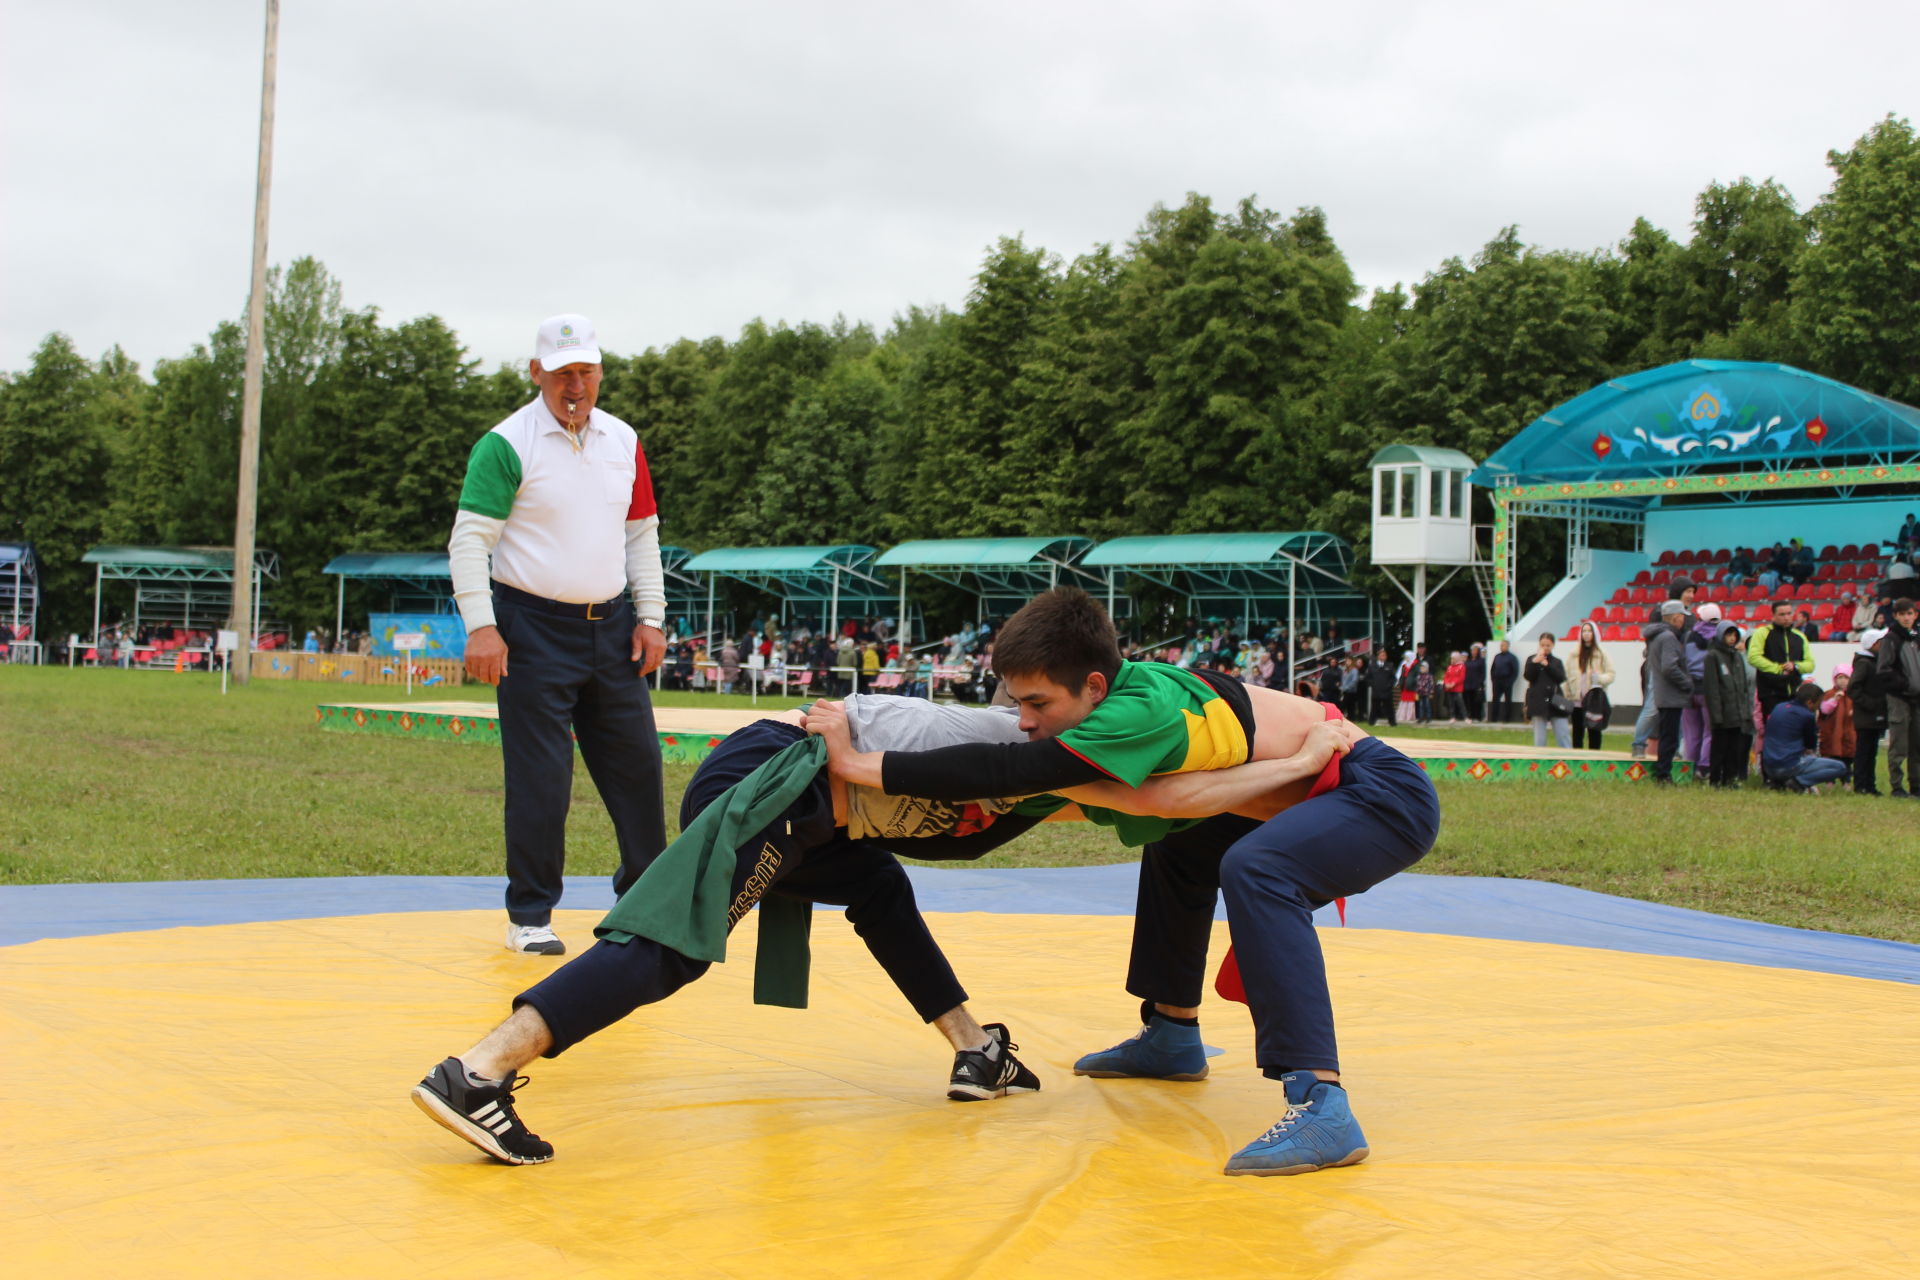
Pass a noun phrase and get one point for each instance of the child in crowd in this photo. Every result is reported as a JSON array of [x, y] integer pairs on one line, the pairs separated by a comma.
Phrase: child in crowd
[[1836, 721]]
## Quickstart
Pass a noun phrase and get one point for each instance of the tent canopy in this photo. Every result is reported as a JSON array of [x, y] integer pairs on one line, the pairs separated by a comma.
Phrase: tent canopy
[[1705, 415]]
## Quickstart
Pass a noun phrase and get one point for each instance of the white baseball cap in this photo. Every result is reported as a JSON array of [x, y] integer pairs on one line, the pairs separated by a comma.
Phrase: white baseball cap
[[564, 340]]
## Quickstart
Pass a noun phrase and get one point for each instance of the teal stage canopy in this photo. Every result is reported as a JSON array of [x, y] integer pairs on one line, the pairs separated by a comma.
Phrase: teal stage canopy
[[1706, 415]]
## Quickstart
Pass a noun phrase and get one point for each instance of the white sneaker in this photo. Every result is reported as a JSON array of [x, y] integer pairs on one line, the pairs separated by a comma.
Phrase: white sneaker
[[534, 940]]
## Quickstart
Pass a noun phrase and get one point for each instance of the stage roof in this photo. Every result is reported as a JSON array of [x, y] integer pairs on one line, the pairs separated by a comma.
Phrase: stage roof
[[1705, 415]]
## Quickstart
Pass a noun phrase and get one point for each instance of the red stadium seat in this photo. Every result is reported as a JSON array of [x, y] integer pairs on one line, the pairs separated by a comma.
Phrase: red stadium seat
[[1850, 552], [1662, 576], [1825, 571], [1621, 596], [1804, 591], [1619, 633], [1599, 613], [1642, 578], [1573, 632], [1722, 556], [1826, 591], [1666, 557], [1829, 553], [1824, 610], [1619, 614], [1683, 557]]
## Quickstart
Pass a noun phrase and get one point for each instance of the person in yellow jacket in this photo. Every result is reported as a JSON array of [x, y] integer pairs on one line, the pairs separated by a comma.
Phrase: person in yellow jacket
[[1590, 671], [1779, 657]]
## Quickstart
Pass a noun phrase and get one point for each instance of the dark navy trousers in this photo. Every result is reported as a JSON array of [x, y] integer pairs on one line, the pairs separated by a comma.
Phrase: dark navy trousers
[[1381, 819], [800, 854], [568, 678]]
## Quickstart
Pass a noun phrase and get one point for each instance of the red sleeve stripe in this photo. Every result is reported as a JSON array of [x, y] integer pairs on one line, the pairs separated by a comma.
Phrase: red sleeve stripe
[[643, 504], [1095, 763]]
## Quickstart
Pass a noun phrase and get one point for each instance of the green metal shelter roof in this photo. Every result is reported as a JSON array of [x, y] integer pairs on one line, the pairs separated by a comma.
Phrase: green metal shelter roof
[[777, 560], [1706, 416], [1182, 550], [1004, 569], [1224, 566], [975, 553], [797, 573], [188, 564], [1434, 457], [390, 564]]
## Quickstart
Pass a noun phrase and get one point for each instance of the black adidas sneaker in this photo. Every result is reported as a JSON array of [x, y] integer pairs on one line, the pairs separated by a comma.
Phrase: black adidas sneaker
[[481, 1113], [991, 1073]]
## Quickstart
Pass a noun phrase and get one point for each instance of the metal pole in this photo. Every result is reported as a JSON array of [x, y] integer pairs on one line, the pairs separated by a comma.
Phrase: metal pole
[[905, 639], [340, 609], [245, 609], [833, 616], [98, 570], [1419, 603], [713, 645]]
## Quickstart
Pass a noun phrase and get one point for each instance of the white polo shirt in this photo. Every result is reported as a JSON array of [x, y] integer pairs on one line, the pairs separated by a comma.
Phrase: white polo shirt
[[569, 511]]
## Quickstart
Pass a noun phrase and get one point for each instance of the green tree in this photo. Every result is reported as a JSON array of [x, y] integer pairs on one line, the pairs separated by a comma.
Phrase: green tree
[[52, 460], [1856, 296]]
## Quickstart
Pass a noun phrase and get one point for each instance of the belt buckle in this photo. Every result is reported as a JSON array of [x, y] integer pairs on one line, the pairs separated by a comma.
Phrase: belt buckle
[[591, 617]]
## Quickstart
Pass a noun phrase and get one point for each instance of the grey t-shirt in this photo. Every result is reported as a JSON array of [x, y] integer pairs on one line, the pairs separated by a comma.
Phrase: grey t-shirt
[[884, 722]]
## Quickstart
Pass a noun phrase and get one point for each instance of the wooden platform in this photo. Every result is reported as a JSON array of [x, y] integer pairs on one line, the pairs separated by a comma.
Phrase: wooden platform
[[688, 733]]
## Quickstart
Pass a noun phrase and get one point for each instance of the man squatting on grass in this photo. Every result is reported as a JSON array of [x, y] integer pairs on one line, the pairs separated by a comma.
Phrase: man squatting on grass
[[819, 848], [1094, 720]]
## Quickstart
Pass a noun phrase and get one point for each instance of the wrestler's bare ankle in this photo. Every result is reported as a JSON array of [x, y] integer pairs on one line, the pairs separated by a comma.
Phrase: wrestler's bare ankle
[[510, 1046], [961, 1031]]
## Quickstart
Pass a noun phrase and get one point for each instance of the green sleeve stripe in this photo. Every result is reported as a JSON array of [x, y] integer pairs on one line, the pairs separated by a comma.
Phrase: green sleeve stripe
[[493, 477]]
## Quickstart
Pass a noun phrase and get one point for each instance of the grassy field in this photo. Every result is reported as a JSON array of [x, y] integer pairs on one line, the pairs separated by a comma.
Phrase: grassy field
[[111, 775]]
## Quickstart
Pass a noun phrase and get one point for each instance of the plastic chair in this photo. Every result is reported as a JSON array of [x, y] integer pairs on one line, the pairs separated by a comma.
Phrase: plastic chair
[[1621, 596], [1723, 555]]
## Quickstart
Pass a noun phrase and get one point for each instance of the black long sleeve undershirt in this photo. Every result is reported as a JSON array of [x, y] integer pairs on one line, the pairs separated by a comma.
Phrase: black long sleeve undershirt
[[978, 770]]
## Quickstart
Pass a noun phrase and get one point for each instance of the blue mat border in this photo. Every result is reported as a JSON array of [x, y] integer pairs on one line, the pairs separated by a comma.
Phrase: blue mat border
[[1461, 906]]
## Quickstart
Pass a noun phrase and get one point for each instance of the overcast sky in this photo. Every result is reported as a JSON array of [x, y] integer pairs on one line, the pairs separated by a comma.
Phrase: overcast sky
[[679, 169]]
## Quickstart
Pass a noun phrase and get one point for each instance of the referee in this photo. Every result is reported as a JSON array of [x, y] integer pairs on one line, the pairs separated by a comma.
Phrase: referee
[[566, 621]]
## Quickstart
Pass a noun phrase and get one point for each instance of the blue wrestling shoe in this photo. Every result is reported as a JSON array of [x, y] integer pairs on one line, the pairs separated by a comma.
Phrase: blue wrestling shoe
[[1161, 1051], [1318, 1132]]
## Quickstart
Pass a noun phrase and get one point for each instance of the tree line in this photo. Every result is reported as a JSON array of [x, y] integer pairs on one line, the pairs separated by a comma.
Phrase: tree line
[[1218, 371]]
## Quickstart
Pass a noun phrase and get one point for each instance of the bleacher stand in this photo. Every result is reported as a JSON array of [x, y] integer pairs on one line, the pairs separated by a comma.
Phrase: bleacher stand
[[1833, 580]]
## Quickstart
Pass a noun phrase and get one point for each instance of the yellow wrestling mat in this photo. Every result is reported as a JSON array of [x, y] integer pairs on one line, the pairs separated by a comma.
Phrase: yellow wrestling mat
[[233, 1101]]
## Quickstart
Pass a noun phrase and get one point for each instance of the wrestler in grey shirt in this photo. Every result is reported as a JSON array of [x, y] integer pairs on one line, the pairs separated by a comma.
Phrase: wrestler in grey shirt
[[885, 722]]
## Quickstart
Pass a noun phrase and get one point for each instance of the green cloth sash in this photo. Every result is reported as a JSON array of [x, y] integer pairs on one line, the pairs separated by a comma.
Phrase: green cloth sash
[[682, 900]]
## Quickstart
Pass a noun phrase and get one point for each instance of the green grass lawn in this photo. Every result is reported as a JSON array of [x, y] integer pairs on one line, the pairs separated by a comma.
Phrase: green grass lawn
[[128, 775]]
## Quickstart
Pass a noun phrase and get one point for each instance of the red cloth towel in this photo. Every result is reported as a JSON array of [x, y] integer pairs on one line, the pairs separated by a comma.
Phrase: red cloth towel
[[1227, 982]]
